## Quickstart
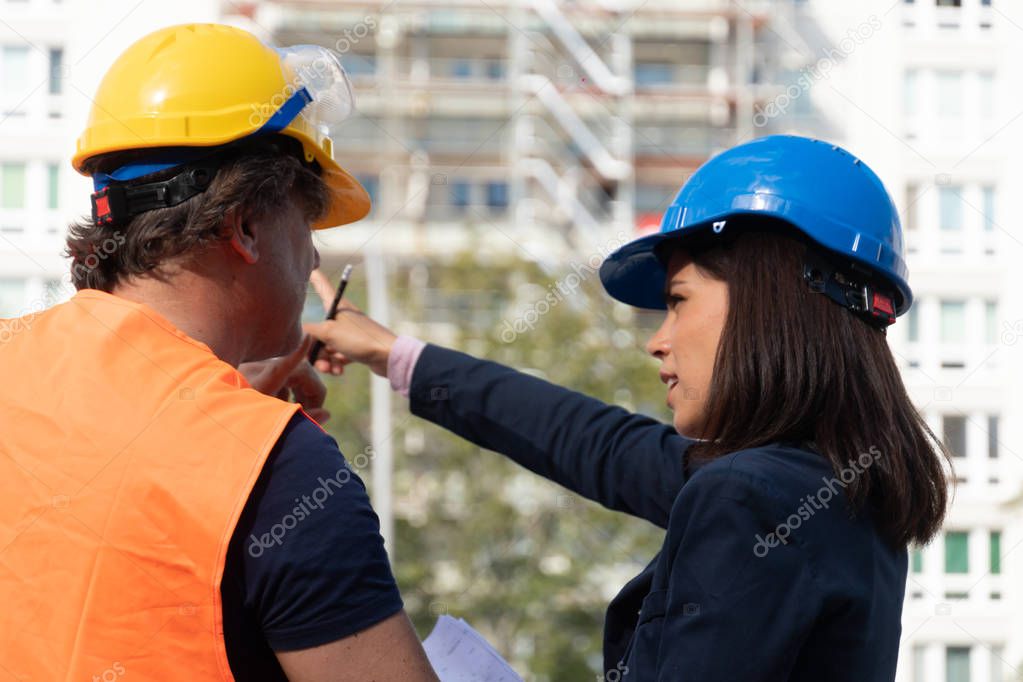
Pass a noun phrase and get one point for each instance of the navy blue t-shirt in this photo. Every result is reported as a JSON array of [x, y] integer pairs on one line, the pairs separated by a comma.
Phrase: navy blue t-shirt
[[306, 565]]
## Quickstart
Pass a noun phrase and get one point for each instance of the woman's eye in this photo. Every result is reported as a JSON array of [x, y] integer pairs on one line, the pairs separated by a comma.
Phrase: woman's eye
[[673, 300]]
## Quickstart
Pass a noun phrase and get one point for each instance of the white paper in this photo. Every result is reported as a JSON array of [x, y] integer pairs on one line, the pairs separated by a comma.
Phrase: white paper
[[460, 654]]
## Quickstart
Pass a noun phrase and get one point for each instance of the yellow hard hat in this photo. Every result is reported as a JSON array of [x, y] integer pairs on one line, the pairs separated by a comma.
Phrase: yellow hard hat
[[207, 85]]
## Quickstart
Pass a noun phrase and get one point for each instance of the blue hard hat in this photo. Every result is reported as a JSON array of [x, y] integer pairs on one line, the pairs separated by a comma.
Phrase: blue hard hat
[[820, 189]]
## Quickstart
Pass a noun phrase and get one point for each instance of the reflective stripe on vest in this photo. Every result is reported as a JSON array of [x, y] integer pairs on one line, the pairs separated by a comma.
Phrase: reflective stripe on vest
[[127, 455]]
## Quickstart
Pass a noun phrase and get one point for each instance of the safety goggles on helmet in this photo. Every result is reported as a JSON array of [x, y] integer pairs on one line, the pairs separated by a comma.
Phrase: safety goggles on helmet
[[318, 70]]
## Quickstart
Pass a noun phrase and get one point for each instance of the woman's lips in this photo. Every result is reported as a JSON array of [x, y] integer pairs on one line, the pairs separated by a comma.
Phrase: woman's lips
[[672, 383]]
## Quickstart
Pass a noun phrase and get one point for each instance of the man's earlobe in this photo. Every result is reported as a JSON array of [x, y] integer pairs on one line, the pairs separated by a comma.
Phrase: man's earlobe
[[242, 239]]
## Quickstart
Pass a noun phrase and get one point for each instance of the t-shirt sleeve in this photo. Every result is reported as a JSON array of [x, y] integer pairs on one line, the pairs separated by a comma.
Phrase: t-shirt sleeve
[[313, 567]]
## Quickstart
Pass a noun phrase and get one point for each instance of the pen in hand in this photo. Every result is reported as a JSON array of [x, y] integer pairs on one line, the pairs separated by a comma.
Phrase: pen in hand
[[314, 352]]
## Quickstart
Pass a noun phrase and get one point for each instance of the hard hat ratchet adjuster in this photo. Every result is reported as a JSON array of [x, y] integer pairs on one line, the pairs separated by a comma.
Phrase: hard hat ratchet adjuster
[[862, 298]]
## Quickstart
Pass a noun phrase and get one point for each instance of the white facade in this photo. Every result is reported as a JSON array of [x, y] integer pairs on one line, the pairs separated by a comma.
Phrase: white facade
[[52, 55], [928, 99]]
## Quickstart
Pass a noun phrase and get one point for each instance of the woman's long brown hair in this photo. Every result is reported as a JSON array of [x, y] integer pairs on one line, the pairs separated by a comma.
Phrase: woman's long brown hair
[[794, 366]]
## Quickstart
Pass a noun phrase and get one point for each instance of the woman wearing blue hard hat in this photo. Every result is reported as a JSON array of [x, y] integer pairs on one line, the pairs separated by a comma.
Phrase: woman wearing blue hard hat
[[796, 471]]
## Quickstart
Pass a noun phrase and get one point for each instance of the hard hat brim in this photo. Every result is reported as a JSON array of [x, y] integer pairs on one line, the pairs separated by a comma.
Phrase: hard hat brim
[[349, 200], [635, 274]]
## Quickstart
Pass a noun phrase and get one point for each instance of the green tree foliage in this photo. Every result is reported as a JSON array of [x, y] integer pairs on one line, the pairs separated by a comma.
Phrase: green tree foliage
[[528, 563]]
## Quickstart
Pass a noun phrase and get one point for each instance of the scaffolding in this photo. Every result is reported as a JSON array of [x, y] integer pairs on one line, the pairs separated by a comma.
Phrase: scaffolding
[[561, 124]]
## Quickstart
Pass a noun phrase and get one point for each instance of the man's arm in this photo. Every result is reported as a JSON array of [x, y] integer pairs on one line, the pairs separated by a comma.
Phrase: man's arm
[[311, 574], [389, 650]]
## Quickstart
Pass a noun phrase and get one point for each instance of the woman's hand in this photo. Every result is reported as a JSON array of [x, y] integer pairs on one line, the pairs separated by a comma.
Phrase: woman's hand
[[290, 376], [351, 337]]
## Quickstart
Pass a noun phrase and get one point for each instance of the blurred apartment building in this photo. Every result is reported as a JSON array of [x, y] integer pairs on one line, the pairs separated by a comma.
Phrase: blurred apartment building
[[552, 126], [543, 124], [921, 89], [948, 68], [52, 56], [553, 129]]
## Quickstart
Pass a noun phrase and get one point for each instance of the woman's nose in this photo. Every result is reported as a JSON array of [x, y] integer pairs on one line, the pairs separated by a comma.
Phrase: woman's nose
[[659, 344]]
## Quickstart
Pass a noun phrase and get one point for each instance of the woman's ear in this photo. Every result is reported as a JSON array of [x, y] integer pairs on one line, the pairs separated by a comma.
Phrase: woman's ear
[[241, 236]]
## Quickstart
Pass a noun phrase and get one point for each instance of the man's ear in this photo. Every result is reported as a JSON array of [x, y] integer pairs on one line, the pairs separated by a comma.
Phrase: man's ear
[[241, 236]]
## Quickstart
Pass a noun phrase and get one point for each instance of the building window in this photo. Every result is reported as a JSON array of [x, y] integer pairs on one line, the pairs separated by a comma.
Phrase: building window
[[495, 69], [988, 197], [987, 95], [957, 664], [953, 428], [953, 321], [12, 185], [56, 80], [654, 73], [461, 193], [12, 297], [996, 552], [991, 322], [371, 183], [360, 65], [957, 555], [918, 560], [14, 70], [912, 194], [497, 194], [950, 94], [950, 208], [992, 436], [913, 324], [910, 81], [52, 186], [461, 68]]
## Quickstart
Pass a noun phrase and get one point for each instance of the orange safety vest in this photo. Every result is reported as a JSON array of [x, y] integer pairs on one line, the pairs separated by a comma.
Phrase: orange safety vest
[[128, 452]]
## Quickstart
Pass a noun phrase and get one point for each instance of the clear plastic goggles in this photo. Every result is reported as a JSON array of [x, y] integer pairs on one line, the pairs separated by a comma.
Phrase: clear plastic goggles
[[319, 71]]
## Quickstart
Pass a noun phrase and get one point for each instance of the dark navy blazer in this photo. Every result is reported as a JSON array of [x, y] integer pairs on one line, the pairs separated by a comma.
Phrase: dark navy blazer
[[764, 574]]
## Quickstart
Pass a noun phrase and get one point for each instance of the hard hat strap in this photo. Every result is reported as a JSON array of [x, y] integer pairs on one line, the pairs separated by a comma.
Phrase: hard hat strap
[[117, 203], [287, 112]]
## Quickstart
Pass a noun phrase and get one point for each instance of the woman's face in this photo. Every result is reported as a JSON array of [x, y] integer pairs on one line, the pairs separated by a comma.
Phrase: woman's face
[[687, 340]]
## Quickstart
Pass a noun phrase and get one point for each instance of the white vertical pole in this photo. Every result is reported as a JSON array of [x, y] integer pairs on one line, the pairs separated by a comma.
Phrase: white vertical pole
[[380, 404]]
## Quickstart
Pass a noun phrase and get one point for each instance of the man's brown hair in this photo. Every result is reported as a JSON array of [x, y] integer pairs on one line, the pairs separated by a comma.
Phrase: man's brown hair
[[256, 178]]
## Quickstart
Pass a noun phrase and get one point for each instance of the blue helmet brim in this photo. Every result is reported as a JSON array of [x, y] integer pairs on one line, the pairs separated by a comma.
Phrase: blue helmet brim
[[635, 275]]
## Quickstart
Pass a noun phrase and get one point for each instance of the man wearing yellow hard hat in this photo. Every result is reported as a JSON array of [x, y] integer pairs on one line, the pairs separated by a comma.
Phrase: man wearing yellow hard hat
[[161, 519]]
